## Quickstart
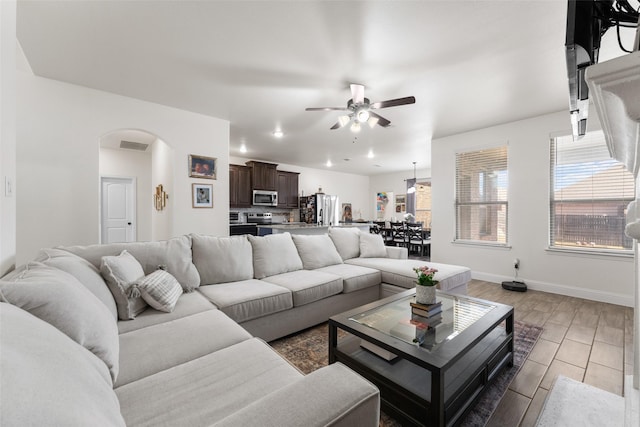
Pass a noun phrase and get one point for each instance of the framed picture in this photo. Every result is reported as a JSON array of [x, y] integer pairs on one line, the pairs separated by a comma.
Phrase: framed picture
[[202, 167], [202, 195], [346, 212]]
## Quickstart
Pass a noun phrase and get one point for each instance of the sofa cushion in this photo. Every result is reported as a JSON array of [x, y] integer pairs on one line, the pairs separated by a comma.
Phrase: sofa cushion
[[222, 259], [307, 286], [274, 254], [188, 304], [83, 270], [150, 350], [372, 246], [399, 272], [48, 380], [354, 277], [160, 290], [59, 299], [248, 299], [316, 251], [175, 254], [346, 240], [207, 389], [121, 272]]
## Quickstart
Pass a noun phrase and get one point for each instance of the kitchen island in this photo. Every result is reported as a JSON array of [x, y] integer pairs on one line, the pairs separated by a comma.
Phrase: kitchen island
[[304, 228]]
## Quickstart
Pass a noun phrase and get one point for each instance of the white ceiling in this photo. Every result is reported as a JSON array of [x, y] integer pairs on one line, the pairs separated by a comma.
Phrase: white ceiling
[[259, 64]]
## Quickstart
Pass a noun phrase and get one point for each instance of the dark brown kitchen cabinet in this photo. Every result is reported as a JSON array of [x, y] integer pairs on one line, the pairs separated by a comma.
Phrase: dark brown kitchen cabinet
[[287, 189], [239, 186], [263, 175]]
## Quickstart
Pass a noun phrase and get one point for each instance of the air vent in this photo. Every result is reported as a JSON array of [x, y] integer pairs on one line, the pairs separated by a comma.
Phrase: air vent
[[129, 145]]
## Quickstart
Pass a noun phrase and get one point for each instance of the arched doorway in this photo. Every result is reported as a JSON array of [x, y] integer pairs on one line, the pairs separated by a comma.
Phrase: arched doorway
[[132, 163]]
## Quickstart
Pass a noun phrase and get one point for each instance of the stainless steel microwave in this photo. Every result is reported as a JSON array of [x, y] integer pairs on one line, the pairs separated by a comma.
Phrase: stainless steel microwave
[[265, 198]]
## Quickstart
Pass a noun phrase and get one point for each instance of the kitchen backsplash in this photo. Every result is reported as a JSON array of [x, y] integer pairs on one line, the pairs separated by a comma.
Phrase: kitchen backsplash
[[279, 215]]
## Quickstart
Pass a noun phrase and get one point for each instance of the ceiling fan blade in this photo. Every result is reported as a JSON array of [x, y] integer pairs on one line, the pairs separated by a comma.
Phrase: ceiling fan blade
[[357, 94], [325, 109], [394, 102], [381, 120]]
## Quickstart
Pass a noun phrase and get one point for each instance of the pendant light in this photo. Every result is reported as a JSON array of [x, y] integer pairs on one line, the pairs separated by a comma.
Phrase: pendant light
[[412, 189]]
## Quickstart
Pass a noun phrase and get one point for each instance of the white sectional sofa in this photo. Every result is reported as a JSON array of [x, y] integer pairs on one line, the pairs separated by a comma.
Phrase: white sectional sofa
[[80, 346]]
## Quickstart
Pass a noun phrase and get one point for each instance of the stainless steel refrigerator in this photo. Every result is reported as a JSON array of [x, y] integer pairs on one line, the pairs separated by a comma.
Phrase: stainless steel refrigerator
[[321, 209], [328, 209]]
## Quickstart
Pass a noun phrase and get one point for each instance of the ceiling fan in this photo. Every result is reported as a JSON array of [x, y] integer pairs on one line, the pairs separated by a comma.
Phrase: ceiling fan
[[360, 109]]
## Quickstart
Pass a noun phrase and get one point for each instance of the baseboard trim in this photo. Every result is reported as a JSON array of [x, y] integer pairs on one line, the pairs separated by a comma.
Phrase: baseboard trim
[[554, 288]]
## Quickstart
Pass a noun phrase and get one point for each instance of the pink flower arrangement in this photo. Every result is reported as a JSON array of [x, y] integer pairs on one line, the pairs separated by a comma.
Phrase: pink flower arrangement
[[425, 275]]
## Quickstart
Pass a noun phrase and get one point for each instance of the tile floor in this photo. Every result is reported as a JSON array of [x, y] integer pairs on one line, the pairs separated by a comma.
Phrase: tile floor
[[585, 340]]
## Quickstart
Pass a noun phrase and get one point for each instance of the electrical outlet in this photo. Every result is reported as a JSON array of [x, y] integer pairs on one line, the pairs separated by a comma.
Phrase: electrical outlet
[[516, 263]]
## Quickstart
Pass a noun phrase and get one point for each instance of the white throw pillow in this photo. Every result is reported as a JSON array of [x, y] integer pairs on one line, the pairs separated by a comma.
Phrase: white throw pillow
[[274, 254], [372, 246], [316, 251], [120, 273], [160, 290], [346, 241], [61, 300]]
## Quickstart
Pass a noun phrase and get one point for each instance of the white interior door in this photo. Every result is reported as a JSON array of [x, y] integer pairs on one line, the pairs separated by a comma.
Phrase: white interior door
[[118, 210]]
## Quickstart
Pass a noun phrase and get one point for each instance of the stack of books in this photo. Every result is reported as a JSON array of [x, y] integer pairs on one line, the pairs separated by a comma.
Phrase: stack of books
[[430, 314]]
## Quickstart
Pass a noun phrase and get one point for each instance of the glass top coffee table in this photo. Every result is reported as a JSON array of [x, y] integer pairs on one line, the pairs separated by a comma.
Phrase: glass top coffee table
[[430, 370]]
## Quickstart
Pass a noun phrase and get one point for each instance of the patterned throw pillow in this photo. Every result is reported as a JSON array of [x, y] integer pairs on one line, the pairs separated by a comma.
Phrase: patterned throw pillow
[[160, 290]]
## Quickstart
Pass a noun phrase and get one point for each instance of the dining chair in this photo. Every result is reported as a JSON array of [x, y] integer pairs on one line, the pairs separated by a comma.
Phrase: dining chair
[[399, 234], [418, 238]]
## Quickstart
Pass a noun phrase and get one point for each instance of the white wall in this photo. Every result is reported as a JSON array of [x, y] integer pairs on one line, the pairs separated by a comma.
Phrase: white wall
[[132, 164], [7, 134], [350, 188], [58, 129], [603, 278], [393, 183], [162, 173]]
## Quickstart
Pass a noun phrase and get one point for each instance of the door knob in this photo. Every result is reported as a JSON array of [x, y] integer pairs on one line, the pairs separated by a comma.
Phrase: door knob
[[128, 223]]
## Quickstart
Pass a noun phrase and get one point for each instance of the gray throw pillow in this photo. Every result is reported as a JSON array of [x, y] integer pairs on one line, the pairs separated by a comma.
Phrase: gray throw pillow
[[316, 251], [60, 300], [222, 259], [120, 273], [160, 290], [346, 240], [48, 380], [274, 254], [83, 270], [372, 246]]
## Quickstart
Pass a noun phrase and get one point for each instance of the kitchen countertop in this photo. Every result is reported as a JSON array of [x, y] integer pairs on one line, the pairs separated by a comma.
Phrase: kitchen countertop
[[289, 225]]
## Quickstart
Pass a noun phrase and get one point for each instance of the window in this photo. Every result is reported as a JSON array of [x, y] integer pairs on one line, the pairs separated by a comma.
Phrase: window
[[481, 196], [590, 192], [423, 203]]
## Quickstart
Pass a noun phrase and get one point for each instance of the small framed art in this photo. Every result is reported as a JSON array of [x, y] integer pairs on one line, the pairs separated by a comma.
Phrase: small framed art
[[202, 195], [202, 167]]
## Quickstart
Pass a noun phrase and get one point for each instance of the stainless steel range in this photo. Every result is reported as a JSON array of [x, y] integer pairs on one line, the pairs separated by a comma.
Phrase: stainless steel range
[[259, 217]]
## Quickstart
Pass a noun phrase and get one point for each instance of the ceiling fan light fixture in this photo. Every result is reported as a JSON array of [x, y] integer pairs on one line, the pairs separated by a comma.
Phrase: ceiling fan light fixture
[[355, 127], [373, 121], [343, 120], [362, 115]]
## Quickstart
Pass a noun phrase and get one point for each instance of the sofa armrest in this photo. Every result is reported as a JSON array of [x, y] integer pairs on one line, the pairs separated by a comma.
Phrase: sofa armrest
[[396, 252], [331, 396]]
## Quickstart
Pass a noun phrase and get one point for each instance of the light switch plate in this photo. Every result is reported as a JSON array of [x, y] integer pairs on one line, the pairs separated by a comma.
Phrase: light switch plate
[[8, 186]]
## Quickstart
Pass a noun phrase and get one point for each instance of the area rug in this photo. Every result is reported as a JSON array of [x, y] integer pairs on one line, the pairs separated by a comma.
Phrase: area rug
[[308, 351]]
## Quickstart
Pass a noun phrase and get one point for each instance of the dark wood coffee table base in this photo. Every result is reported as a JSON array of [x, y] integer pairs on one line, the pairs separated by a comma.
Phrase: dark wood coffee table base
[[406, 383]]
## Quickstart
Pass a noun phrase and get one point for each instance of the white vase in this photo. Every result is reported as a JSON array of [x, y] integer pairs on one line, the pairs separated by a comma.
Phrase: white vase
[[425, 294]]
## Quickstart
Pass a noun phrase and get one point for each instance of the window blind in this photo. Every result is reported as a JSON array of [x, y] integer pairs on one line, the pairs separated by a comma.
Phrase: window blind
[[481, 195], [589, 195]]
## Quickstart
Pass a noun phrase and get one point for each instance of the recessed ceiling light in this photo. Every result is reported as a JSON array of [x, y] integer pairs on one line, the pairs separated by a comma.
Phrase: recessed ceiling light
[[329, 164], [370, 154], [347, 160], [243, 148], [278, 133]]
